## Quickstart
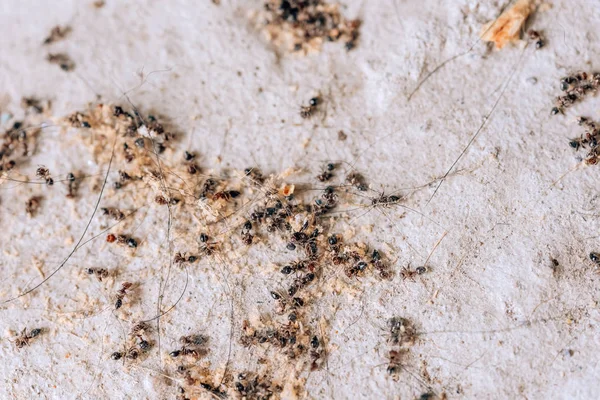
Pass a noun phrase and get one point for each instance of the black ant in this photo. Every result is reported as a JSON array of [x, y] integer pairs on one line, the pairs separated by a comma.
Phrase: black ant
[[121, 294], [190, 340], [537, 38], [316, 354], [385, 200], [72, 186], [357, 180], [401, 331], [180, 258], [214, 391], [300, 283], [24, 338], [207, 248], [380, 266], [326, 175], [100, 273], [114, 213], [247, 237], [407, 273], [196, 340], [43, 173], [308, 111], [395, 361]]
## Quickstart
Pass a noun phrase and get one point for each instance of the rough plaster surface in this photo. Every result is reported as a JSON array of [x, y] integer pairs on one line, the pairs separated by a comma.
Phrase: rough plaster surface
[[495, 321]]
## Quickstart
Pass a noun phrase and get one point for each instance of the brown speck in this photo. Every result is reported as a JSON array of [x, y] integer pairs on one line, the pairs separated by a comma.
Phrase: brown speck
[[33, 205]]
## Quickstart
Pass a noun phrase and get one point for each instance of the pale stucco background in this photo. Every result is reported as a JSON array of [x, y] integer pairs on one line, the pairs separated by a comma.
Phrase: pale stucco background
[[496, 321]]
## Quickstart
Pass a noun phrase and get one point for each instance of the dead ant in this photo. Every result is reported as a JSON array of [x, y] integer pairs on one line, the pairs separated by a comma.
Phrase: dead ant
[[143, 344], [122, 239], [114, 213], [395, 361], [43, 173], [316, 354], [536, 37], [191, 340], [180, 258], [100, 273], [24, 338], [214, 391], [163, 201], [401, 331], [247, 237], [32, 103], [357, 180], [283, 301], [326, 174], [57, 33], [63, 60], [132, 354], [186, 351], [72, 186], [206, 248], [407, 273], [308, 111], [380, 266], [139, 328], [300, 283], [121, 294], [226, 195], [384, 200], [128, 153], [196, 340]]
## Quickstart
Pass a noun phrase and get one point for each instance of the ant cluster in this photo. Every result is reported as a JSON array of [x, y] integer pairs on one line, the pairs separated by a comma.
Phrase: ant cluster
[[235, 214], [19, 141], [137, 343], [576, 87], [590, 138], [298, 25]]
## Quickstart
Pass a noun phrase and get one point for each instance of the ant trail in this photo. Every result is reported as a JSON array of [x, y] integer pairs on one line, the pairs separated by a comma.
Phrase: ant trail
[[80, 238], [480, 129], [456, 56]]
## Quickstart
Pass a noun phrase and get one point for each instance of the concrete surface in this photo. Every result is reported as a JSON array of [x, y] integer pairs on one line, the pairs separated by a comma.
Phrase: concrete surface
[[495, 320]]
